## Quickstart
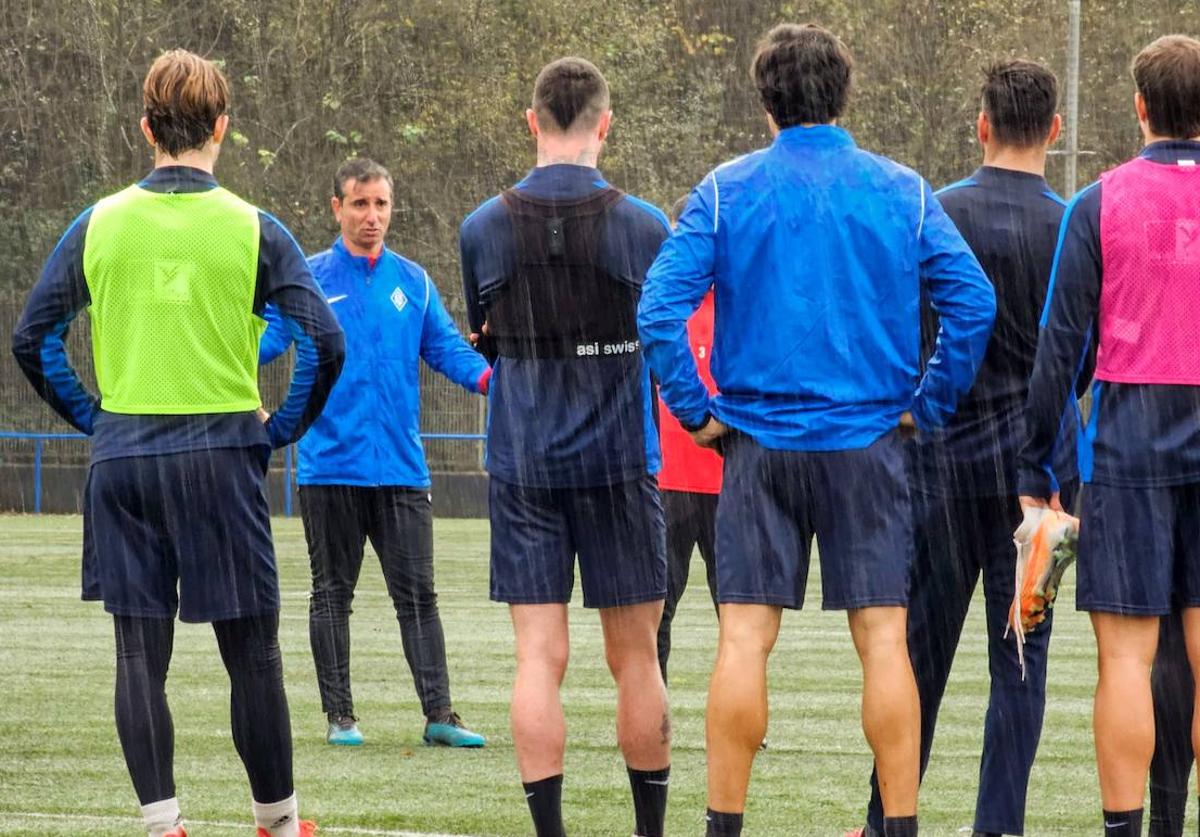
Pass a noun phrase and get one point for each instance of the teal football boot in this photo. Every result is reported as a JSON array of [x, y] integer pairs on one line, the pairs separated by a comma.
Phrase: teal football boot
[[343, 731], [446, 729]]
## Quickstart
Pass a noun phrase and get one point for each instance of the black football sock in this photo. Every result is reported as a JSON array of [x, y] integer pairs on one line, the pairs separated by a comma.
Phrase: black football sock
[[649, 800], [901, 827], [545, 805], [721, 824], [1123, 823]]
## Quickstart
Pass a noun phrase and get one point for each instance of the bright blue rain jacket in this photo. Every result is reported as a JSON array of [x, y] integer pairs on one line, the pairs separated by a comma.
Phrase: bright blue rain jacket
[[819, 254], [369, 432]]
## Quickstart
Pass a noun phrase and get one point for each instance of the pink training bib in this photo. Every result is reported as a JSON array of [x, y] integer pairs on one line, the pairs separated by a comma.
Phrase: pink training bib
[[1150, 294]]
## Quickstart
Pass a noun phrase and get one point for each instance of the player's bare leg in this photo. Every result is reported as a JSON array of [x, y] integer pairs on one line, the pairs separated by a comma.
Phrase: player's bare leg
[[631, 648], [736, 720], [643, 719], [1123, 719], [1191, 633], [891, 713], [539, 729]]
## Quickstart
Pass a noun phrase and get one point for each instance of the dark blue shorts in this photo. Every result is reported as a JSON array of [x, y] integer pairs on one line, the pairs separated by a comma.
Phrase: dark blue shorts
[[187, 532], [616, 530], [1139, 549], [773, 502]]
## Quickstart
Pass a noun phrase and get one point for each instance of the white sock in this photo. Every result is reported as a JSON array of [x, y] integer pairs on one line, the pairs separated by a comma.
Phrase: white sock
[[162, 816], [280, 819]]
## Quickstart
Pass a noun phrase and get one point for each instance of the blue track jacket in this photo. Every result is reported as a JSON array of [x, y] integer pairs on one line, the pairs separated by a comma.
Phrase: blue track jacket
[[393, 316], [818, 253]]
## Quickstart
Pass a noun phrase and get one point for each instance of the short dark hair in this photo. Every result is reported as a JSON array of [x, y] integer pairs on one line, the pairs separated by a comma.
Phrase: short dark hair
[[183, 95], [570, 91], [361, 169], [1020, 99], [1167, 74], [802, 73]]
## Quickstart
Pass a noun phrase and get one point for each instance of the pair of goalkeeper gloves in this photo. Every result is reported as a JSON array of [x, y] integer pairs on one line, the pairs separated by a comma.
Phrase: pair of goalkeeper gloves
[[1046, 543]]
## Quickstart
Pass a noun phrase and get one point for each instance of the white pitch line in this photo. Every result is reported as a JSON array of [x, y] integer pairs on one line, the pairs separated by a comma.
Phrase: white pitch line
[[118, 820]]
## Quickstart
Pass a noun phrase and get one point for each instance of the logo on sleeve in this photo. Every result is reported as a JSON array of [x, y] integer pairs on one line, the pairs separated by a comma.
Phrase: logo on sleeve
[[399, 299]]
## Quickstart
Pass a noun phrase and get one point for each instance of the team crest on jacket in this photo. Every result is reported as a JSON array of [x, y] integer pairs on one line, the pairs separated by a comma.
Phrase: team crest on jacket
[[399, 299]]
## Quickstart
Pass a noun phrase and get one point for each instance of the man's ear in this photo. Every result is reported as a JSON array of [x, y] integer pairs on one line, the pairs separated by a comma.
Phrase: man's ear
[[532, 121], [983, 128], [1055, 129], [604, 125], [220, 128], [1139, 107], [336, 206], [144, 124]]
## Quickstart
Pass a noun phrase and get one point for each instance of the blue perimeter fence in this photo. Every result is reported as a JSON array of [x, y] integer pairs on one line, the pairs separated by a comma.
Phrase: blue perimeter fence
[[289, 458]]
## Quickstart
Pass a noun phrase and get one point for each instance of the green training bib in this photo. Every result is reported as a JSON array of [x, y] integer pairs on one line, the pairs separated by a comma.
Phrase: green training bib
[[172, 280]]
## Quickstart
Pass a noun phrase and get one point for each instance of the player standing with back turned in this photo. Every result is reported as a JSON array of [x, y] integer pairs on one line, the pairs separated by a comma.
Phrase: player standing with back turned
[[818, 253], [175, 272], [964, 485], [1124, 280], [554, 266]]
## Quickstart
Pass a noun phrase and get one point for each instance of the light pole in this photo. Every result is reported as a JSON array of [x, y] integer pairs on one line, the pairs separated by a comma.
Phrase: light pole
[[1072, 152]]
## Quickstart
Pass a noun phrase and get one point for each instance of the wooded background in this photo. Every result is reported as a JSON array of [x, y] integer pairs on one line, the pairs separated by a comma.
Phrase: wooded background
[[436, 90]]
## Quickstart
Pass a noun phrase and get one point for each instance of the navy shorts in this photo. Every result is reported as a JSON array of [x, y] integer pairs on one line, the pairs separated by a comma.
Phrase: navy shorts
[[1139, 549], [616, 530], [187, 532], [773, 502]]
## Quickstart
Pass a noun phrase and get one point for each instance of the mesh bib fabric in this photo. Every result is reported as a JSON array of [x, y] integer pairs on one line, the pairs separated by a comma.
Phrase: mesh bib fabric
[[172, 280], [560, 302], [1150, 297]]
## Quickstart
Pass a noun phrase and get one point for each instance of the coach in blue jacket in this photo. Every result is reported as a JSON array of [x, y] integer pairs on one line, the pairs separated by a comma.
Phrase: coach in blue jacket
[[362, 469], [819, 254]]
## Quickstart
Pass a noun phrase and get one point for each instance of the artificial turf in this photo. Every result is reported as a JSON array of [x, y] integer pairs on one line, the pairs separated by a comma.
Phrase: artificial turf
[[61, 771]]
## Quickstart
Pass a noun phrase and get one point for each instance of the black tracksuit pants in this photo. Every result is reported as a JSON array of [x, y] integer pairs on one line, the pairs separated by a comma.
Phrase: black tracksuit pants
[[338, 521], [957, 540], [691, 522], [1173, 688]]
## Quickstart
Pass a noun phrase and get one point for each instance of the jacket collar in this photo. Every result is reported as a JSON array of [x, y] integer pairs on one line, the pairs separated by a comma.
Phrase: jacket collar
[[562, 181], [1171, 151], [816, 136], [178, 179], [360, 262], [996, 174]]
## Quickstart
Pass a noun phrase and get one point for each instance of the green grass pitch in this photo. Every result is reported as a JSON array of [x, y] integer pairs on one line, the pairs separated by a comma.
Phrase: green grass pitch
[[61, 771]]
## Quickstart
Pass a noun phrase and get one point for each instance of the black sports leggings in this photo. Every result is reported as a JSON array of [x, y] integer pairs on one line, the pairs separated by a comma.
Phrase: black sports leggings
[[1173, 688], [258, 705]]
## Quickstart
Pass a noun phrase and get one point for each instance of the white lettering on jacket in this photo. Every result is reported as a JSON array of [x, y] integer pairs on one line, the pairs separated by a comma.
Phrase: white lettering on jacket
[[624, 347]]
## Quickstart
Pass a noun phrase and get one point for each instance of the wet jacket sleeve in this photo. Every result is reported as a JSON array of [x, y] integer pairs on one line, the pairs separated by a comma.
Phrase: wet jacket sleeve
[[468, 242], [286, 282], [444, 349], [966, 306], [1065, 344], [470, 283], [675, 285], [276, 339], [38, 340]]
